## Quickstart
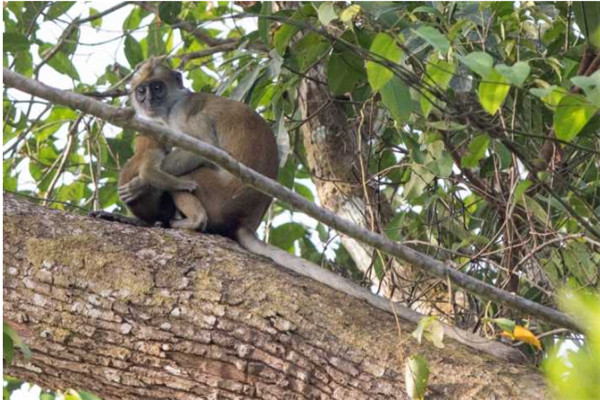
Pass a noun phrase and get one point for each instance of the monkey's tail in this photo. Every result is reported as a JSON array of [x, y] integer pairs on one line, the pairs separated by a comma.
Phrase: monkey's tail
[[248, 240]]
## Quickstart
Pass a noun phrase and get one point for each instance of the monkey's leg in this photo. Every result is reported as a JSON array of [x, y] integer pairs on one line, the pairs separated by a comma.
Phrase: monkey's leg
[[192, 208]]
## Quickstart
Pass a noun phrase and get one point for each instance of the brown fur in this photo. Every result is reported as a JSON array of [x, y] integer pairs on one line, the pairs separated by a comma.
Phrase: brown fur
[[228, 124]]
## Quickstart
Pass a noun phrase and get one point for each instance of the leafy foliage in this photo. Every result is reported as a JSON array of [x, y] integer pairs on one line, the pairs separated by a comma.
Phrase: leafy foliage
[[485, 140]]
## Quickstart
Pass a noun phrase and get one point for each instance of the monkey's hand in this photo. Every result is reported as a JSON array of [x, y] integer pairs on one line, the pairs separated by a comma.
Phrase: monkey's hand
[[186, 185], [133, 190]]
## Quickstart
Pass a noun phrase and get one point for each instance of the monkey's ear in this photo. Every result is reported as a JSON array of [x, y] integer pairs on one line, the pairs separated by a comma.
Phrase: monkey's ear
[[177, 76]]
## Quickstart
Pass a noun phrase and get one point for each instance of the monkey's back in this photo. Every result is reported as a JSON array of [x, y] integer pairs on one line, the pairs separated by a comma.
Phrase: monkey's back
[[248, 138]]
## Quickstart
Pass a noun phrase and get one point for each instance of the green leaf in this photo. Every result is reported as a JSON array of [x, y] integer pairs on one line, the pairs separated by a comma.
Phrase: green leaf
[[535, 209], [587, 16], [505, 324], [476, 152], [348, 14], [169, 10], [572, 114], [285, 32], [309, 49], [590, 85], [72, 192], [479, 62], [431, 329], [442, 166], [133, 20], [87, 395], [133, 51], [264, 23], [156, 44], [517, 74], [61, 63], [416, 375], [438, 73], [8, 331], [383, 46], [15, 42], [287, 174], [24, 63], [8, 348], [326, 13], [304, 192], [434, 38], [551, 95], [420, 177], [493, 91], [345, 71], [286, 234], [245, 84], [96, 23], [57, 9], [396, 98], [323, 233]]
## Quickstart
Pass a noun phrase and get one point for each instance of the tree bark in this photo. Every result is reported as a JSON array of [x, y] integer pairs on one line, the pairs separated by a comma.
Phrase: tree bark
[[132, 313]]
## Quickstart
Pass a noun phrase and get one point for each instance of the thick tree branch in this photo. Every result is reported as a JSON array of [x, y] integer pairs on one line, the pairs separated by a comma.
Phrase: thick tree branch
[[135, 313], [125, 119]]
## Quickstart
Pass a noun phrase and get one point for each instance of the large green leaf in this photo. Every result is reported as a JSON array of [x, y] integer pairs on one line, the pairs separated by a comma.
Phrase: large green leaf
[[286, 32], [476, 152], [383, 46], [286, 234], [133, 51], [264, 23], [438, 74], [326, 12], [590, 85], [587, 15], [396, 98], [345, 71], [15, 42], [57, 9], [479, 62], [309, 49], [515, 74], [169, 10], [572, 114], [156, 43], [434, 38], [61, 63], [492, 91]]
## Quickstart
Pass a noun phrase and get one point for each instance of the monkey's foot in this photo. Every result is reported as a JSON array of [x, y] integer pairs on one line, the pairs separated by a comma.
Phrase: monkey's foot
[[198, 224], [123, 219]]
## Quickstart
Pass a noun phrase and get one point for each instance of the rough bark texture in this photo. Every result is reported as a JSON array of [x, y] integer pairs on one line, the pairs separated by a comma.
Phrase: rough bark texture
[[138, 313]]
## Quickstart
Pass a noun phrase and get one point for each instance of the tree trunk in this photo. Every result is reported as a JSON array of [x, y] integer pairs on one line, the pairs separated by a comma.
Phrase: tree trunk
[[138, 313]]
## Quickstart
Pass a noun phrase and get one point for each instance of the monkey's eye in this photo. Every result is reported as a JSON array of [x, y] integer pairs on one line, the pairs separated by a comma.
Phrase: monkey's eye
[[141, 90], [157, 86]]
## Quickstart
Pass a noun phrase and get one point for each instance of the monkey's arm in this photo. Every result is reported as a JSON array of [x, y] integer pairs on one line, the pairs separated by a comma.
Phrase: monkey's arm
[[152, 174], [181, 162]]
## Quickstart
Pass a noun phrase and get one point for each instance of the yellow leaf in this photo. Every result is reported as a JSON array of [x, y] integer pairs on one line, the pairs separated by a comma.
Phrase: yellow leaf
[[525, 335], [507, 335]]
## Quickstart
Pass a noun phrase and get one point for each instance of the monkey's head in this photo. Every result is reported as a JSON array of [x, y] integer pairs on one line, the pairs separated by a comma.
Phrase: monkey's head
[[155, 88]]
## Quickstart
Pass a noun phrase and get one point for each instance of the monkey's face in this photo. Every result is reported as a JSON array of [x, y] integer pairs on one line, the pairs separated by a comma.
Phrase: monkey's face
[[150, 98], [154, 96]]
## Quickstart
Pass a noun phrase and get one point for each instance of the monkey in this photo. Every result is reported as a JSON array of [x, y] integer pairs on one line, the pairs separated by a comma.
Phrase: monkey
[[146, 165], [229, 207]]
